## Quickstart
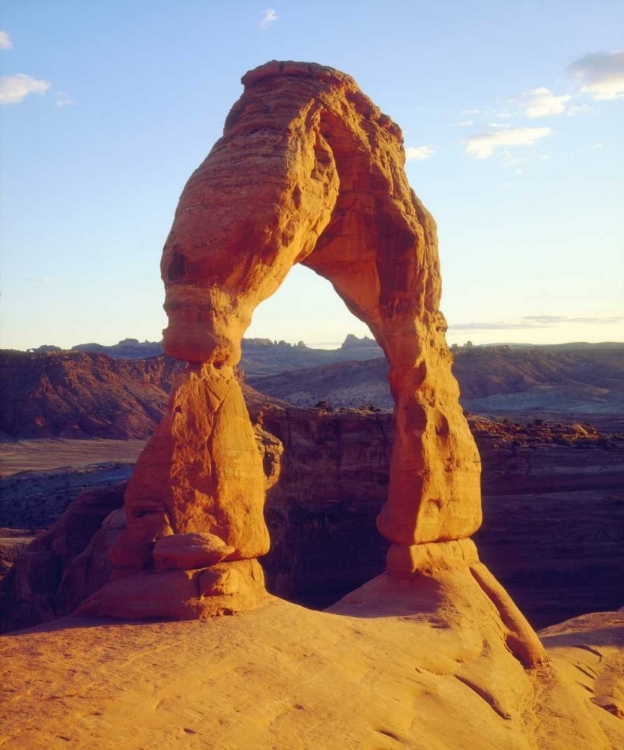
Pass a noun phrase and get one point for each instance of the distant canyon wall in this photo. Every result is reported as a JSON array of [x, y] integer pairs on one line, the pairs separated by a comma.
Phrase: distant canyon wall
[[87, 394]]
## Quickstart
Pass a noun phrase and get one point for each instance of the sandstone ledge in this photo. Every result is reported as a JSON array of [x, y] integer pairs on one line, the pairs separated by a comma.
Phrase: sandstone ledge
[[418, 666]]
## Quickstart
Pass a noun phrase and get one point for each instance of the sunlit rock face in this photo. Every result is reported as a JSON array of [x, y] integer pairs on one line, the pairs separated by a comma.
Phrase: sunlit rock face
[[308, 171]]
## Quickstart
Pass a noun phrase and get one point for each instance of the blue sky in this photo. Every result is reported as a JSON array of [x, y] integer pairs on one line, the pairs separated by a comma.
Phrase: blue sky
[[513, 114]]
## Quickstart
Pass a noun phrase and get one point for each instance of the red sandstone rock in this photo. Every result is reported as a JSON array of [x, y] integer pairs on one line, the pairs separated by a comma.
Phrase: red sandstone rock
[[189, 551], [200, 472], [63, 565], [333, 470], [181, 594], [308, 171]]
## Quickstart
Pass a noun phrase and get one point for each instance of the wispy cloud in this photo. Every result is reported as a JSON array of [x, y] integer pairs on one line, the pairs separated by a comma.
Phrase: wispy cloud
[[418, 153], [42, 280], [590, 320], [63, 99], [537, 321], [577, 109], [5, 40], [597, 146], [14, 89], [268, 17], [486, 326], [484, 145], [543, 103], [600, 74], [513, 161], [466, 123]]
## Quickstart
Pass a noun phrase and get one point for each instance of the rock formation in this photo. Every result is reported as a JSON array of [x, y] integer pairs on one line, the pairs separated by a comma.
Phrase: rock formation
[[308, 171]]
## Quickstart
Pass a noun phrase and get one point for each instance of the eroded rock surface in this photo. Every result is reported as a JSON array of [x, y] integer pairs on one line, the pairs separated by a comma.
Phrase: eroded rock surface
[[310, 171], [422, 663], [65, 564]]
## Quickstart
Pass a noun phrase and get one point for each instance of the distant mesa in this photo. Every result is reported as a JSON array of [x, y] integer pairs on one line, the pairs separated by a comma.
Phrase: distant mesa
[[353, 342], [45, 349], [83, 394], [126, 349]]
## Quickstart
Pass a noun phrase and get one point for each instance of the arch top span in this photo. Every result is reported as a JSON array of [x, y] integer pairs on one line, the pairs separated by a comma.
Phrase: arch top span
[[307, 165]]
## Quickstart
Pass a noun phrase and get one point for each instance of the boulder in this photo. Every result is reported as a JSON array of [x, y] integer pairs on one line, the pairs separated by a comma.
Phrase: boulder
[[189, 551]]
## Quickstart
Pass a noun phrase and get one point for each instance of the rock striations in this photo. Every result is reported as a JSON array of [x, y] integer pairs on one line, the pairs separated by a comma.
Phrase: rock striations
[[308, 171]]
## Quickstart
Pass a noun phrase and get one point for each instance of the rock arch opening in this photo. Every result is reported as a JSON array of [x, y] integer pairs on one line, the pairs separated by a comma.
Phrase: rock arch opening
[[304, 310]]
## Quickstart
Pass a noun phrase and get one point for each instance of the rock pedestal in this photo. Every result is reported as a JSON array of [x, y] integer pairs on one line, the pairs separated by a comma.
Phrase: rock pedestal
[[308, 171]]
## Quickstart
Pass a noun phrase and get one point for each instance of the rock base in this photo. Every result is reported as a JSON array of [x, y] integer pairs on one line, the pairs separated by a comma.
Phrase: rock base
[[222, 589], [405, 563]]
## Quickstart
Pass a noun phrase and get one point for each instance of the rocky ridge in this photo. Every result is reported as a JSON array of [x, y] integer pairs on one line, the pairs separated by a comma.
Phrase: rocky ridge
[[493, 380], [78, 395]]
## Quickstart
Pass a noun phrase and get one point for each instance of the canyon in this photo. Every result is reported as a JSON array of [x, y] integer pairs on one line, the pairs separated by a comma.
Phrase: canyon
[[539, 481]]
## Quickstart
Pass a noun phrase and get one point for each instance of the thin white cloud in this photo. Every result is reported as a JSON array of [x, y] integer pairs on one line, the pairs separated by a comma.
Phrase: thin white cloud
[[466, 123], [486, 326], [504, 115], [41, 280], [513, 161], [268, 17], [536, 321], [577, 109], [557, 319], [14, 89], [543, 103], [5, 40], [418, 153], [483, 146], [63, 100], [500, 125], [600, 74], [597, 146]]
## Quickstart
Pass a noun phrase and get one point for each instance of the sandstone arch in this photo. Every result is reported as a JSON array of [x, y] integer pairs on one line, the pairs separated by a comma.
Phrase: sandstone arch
[[308, 171]]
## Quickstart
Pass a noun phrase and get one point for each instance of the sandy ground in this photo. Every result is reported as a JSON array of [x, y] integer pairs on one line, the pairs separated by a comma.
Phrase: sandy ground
[[421, 667], [45, 455]]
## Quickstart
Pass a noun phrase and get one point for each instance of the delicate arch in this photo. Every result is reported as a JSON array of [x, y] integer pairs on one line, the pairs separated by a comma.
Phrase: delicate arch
[[309, 170]]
